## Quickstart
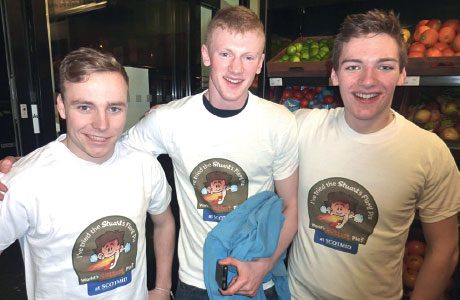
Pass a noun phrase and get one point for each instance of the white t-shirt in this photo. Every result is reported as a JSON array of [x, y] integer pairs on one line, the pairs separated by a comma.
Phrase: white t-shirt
[[218, 163], [82, 225], [357, 199]]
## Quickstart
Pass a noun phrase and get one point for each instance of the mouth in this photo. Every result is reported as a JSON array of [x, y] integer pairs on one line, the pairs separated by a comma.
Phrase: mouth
[[366, 96], [232, 80], [97, 139]]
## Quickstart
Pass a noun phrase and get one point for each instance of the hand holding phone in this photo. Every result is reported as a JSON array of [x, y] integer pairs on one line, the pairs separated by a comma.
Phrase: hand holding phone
[[221, 276]]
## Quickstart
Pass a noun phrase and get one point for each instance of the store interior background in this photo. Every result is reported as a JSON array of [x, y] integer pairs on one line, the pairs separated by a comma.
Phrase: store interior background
[[159, 43]]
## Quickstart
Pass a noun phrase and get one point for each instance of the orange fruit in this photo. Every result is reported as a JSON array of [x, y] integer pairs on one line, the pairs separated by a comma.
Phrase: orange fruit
[[441, 46], [453, 23], [418, 32], [456, 43], [417, 47], [421, 23], [446, 34], [448, 52], [434, 23], [433, 52], [429, 37], [414, 54]]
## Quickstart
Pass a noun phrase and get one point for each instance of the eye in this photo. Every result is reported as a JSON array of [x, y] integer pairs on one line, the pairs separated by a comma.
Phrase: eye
[[250, 58], [115, 109], [83, 108], [352, 68], [386, 67], [224, 54]]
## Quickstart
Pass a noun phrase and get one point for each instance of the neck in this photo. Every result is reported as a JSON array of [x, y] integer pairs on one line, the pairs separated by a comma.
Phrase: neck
[[369, 126], [218, 101]]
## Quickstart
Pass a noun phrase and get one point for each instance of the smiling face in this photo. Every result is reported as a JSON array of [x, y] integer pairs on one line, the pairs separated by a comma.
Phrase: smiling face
[[367, 75], [95, 113], [234, 60], [110, 248]]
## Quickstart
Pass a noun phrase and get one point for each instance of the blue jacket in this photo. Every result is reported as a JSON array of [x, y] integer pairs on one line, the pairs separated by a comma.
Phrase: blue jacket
[[249, 232]]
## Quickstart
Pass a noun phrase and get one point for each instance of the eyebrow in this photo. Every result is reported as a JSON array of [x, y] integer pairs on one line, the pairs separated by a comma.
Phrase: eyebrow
[[381, 60], [78, 101]]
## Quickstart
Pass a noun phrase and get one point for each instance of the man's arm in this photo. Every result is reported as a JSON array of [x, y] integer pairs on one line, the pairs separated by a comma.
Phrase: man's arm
[[5, 167], [441, 258], [251, 274], [164, 232]]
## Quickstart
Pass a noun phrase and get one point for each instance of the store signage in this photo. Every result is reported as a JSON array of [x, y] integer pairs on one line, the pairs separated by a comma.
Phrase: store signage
[[276, 82], [69, 7], [412, 81]]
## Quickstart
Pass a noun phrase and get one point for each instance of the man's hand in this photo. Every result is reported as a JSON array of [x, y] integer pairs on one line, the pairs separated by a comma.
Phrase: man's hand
[[250, 276], [5, 167], [157, 294]]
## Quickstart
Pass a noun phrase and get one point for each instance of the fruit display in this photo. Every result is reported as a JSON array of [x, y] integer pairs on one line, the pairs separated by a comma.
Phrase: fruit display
[[440, 115], [296, 97], [414, 256], [433, 38], [308, 49]]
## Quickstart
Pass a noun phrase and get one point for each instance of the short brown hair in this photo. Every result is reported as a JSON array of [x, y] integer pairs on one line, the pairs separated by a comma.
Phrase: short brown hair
[[236, 19], [80, 63], [372, 22]]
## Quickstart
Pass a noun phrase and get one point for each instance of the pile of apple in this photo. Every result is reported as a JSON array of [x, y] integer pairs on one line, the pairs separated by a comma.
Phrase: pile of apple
[[296, 97], [441, 116], [414, 255], [434, 38], [308, 50]]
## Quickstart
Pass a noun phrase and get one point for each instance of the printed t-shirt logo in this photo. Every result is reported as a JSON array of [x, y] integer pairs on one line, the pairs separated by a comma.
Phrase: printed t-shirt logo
[[342, 212], [104, 254], [220, 186]]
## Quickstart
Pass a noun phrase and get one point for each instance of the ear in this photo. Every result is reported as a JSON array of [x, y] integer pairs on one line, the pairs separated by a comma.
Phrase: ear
[[205, 55], [334, 78], [261, 62], [60, 106], [402, 77]]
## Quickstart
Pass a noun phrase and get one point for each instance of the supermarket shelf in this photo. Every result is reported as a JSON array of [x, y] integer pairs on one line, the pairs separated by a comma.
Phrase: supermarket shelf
[[429, 71]]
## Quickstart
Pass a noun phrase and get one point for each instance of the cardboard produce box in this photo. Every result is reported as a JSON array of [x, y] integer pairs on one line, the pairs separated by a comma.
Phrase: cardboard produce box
[[312, 65]]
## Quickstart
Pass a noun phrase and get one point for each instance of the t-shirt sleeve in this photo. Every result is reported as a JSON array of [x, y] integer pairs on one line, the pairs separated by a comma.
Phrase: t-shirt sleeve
[[440, 198], [161, 191], [146, 135], [14, 217], [287, 159]]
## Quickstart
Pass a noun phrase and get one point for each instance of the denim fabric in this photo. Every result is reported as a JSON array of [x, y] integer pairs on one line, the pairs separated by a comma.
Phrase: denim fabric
[[188, 292]]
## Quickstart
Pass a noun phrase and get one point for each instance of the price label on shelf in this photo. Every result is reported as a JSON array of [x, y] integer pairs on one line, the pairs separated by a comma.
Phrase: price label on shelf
[[276, 81], [412, 81]]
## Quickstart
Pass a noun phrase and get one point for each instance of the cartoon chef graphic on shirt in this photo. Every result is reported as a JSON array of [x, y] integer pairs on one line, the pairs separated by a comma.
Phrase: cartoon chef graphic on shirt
[[342, 212], [339, 208], [220, 186]]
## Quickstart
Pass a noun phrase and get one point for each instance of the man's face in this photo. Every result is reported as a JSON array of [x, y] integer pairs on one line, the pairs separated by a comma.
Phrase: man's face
[[110, 248], [340, 208], [95, 112], [234, 60], [217, 186], [367, 76]]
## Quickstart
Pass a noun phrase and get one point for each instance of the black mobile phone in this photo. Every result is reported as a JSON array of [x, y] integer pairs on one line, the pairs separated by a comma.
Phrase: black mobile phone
[[221, 276]]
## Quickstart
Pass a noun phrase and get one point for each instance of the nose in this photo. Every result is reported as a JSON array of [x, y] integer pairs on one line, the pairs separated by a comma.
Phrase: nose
[[368, 76], [236, 66], [101, 121]]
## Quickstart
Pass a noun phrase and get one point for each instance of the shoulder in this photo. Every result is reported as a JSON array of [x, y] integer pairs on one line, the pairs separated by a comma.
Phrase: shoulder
[[134, 156], [33, 164], [427, 143], [269, 112], [179, 104], [308, 117], [416, 133]]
